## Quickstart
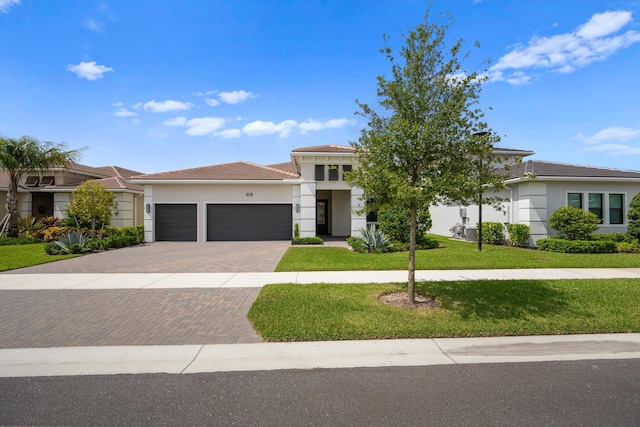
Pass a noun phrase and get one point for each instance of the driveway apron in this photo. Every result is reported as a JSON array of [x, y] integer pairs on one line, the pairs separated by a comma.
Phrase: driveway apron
[[173, 257], [111, 317]]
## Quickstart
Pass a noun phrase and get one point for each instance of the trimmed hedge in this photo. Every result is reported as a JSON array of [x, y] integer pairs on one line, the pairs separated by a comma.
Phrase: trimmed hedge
[[307, 240], [518, 234], [577, 246]]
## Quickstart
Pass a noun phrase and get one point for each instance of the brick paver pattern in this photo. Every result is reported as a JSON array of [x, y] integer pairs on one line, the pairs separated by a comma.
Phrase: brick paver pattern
[[65, 318]]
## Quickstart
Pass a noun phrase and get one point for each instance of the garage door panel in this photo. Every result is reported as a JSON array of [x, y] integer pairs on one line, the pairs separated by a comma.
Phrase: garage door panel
[[228, 222], [176, 222]]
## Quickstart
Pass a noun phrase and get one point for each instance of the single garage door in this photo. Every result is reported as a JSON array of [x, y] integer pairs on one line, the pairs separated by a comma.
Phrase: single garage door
[[249, 222], [176, 222]]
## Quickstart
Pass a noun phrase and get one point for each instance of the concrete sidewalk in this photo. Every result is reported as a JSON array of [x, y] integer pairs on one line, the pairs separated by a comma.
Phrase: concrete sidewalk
[[313, 355], [251, 280]]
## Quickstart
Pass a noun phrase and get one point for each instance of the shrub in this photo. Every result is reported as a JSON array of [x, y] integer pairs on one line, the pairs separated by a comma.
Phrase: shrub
[[492, 233], [574, 223], [357, 244], [633, 219], [52, 249], [50, 234], [308, 240], [395, 223], [10, 241], [48, 221], [629, 247], [374, 239], [577, 246], [610, 237], [518, 234], [74, 242], [296, 230]]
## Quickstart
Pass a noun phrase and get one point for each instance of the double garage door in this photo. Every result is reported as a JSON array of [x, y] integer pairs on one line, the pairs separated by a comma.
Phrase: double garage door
[[225, 222]]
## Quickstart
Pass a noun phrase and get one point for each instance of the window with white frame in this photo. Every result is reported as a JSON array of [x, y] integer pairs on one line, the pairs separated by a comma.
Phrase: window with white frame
[[608, 207]]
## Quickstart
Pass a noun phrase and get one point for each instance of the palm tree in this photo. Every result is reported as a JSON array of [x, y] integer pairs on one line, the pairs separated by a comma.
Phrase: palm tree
[[28, 155]]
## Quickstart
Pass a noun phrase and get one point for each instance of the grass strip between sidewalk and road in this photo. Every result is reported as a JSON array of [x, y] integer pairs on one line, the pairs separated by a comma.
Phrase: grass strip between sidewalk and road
[[19, 256], [319, 312], [451, 255]]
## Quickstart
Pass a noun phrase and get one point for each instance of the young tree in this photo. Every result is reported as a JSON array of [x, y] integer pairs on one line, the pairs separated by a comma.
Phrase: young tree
[[29, 156], [633, 218], [420, 150], [93, 203]]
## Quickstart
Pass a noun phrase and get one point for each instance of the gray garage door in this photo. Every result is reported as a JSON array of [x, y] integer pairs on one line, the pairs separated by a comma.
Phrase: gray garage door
[[249, 222], [176, 222]]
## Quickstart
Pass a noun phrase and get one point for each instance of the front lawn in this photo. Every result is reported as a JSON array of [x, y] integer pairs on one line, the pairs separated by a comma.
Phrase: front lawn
[[452, 255], [19, 256], [292, 312]]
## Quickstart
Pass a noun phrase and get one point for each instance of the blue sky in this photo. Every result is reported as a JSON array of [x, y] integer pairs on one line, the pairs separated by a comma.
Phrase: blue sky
[[164, 85]]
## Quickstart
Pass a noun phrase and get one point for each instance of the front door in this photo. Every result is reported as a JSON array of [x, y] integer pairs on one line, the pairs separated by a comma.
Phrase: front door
[[322, 220]]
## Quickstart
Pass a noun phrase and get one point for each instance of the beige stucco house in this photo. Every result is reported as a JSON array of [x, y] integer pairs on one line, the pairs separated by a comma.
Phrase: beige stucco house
[[247, 201], [49, 193]]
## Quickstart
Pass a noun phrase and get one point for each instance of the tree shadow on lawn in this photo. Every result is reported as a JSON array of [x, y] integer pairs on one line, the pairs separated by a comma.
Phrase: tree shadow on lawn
[[499, 299]]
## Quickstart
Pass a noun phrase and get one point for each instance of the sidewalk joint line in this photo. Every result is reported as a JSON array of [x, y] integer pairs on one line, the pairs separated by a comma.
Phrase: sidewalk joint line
[[444, 352], [228, 280], [193, 360]]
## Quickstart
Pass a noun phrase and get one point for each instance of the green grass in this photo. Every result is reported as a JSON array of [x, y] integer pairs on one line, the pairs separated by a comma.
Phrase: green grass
[[19, 256], [291, 312], [452, 255]]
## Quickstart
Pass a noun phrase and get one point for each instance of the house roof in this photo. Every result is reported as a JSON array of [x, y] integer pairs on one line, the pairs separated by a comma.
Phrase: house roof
[[286, 166], [329, 148], [551, 169], [223, 172]]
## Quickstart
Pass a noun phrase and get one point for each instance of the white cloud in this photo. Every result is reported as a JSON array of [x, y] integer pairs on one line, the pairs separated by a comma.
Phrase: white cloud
[[176, 121], [235, 97], [123, 112], [212, 102], [602, 24], [615, 133], [93, 25], [314, 125], [260, 127], [204, 125], [88, 70], [117, 104], [591, 42], [5, 5], [230, 133], [615, 149], [165, 106]]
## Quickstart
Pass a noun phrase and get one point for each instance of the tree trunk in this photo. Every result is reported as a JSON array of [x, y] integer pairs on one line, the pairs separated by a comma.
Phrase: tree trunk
[[12, 208], [412, 256]]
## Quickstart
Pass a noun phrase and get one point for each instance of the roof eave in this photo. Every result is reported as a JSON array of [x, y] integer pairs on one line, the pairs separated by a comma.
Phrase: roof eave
[[214, 181], [574, 178]]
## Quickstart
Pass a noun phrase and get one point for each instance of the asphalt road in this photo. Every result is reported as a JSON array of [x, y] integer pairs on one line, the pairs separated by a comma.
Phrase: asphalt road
[[583, 393]]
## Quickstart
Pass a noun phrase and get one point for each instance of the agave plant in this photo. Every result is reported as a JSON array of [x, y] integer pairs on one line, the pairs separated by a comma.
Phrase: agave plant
[[74, 242], [374, 238]]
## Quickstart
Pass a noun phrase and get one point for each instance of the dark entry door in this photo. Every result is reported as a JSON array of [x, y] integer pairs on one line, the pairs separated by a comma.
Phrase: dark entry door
[[322, 217]]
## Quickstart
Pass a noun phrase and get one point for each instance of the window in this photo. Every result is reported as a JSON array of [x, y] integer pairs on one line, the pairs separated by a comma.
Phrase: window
[[616, 208], [319, 172], [595, 205], [333, 173], [346, 168], [575, 200]]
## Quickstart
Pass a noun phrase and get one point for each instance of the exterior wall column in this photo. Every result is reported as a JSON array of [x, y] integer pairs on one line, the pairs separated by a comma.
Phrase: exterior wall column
[[148, 216], [61, 202], [307, 209], [296, 207], [358, 220], [532, 209]]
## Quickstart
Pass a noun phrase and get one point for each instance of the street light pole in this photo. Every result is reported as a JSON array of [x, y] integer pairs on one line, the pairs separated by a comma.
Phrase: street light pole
[[480, 134]]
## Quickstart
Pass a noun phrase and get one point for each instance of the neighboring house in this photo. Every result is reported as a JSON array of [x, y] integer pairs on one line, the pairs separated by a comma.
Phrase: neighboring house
[[49, 193], [537, 188], [246, 201]]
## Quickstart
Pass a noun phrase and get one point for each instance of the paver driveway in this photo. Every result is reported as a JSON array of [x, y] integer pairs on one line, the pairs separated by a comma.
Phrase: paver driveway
[[46, 318], [174, 257]]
